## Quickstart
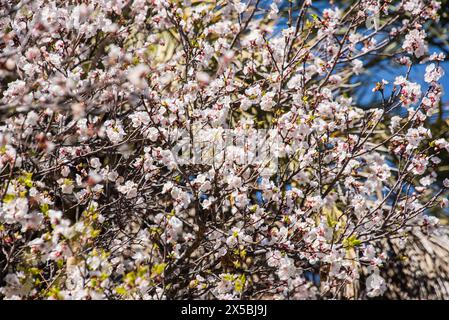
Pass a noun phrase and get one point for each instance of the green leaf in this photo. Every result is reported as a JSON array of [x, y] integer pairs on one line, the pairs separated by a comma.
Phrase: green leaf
[[120, 290], [351, 242], [240, 283], [157, 269], [8, 198]]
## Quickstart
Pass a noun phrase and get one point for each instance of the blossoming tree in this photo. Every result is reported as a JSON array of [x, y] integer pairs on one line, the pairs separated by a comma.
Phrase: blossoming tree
[[157, 149]]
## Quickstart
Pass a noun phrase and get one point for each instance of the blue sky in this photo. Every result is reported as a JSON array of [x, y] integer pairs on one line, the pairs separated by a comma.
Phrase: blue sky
[[385, 70], [389, 71]]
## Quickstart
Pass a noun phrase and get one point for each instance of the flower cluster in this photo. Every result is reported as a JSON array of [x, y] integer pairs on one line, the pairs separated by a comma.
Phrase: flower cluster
[[116, 182]]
